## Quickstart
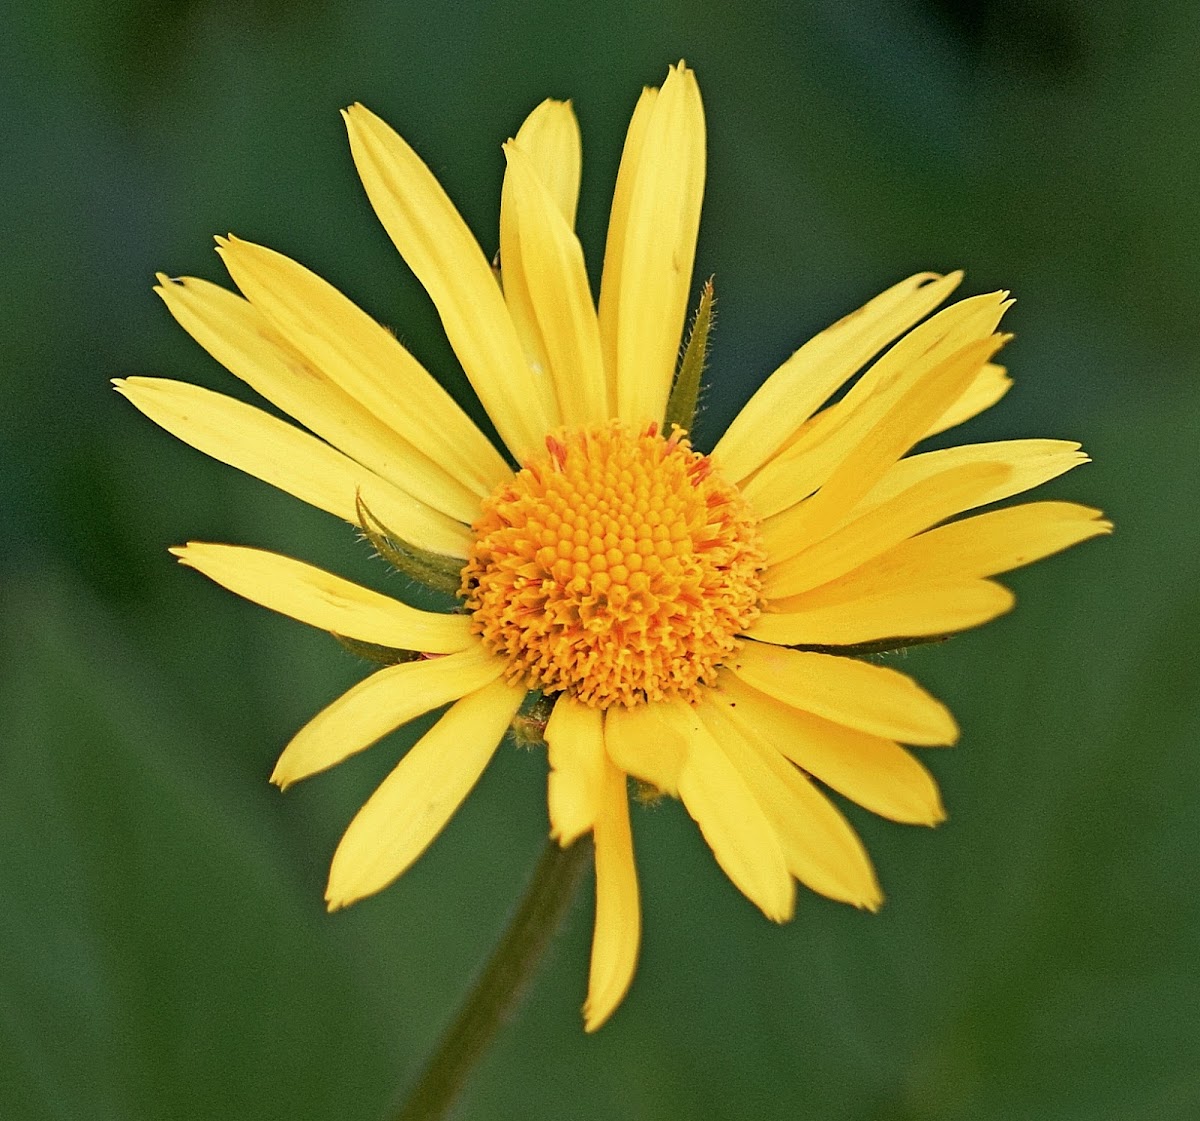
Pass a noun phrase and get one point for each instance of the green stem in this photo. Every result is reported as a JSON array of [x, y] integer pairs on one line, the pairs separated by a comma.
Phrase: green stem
[[500, 986]]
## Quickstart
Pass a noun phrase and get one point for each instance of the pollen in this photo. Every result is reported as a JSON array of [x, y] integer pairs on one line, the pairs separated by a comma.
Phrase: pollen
[[617, 567]]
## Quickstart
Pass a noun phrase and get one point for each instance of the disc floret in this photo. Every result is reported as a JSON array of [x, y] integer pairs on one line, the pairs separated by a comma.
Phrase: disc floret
[[616, 567]]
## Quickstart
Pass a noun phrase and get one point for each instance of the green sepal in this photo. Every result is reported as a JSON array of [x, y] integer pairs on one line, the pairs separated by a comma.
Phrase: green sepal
[[685, 393], [437, 572], [880, 646], [529, 725], [373, 652]]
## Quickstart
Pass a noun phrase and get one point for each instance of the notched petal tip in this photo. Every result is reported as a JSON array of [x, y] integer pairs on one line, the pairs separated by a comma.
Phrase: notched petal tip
[[284, 782], [788, 911], [597, 1013], [284, 773], [874, 904], [592, 1023], [361, 119]]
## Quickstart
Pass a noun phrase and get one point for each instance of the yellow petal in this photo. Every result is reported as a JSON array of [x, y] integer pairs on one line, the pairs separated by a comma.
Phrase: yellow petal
[[550, 138], [243, 340], [651, 741], [446, 452], [614, 248], [412, 805], [922, 357], [870, 698], [796, 569], [872, 447], [274, 451], [618, 927], [1031, 463], [744, 842], [575, 738], [517, 297], [983, 545], [651, 246], [323, 600], [990, 384], [822, 850], [912, 611], [791, 395], [443, 253], [554, 279], [876, 773], [379, 705]]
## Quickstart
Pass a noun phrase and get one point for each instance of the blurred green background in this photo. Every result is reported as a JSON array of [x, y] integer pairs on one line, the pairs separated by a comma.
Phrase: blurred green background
[[164, 952]]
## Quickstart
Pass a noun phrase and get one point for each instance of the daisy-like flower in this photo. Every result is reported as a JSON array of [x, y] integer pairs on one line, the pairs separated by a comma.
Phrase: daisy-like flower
[[688, 615]]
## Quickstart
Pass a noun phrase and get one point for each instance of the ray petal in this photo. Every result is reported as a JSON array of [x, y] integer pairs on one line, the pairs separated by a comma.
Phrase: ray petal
[[517, 296], [652, 241], [246, 343], [575, 737], [412, 805], [741, 836], [277, 453], [323, 600], [379, 705], [875, 439], [916, 370], [822, 850], [913, 611], [554, 278], [873, 771], [1031, 463], [445, 257], [368, 364], [618, 928], [550, 138], [990, 384], [979, 546], [651, 741], [858, 694], [614, 248], [795, 568], [792, 394], [966, 550]]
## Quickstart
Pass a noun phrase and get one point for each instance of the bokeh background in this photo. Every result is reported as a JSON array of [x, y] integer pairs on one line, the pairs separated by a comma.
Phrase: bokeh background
[[164, 953]]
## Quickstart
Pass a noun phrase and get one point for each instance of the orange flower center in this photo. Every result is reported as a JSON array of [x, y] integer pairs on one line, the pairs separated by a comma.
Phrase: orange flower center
[[618, 568]]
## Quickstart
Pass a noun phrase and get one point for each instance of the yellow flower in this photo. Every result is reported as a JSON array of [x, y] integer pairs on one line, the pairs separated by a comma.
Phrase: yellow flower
[[684, 611]]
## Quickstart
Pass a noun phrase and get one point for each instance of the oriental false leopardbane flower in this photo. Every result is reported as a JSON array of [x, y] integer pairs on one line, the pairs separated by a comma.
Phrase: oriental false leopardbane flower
[[691, 617]]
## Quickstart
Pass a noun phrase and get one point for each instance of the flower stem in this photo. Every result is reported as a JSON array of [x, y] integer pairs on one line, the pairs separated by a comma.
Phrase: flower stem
[[500, 986]]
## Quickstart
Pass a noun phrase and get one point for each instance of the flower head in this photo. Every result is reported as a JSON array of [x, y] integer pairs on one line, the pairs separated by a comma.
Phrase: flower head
[[692, 617]]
